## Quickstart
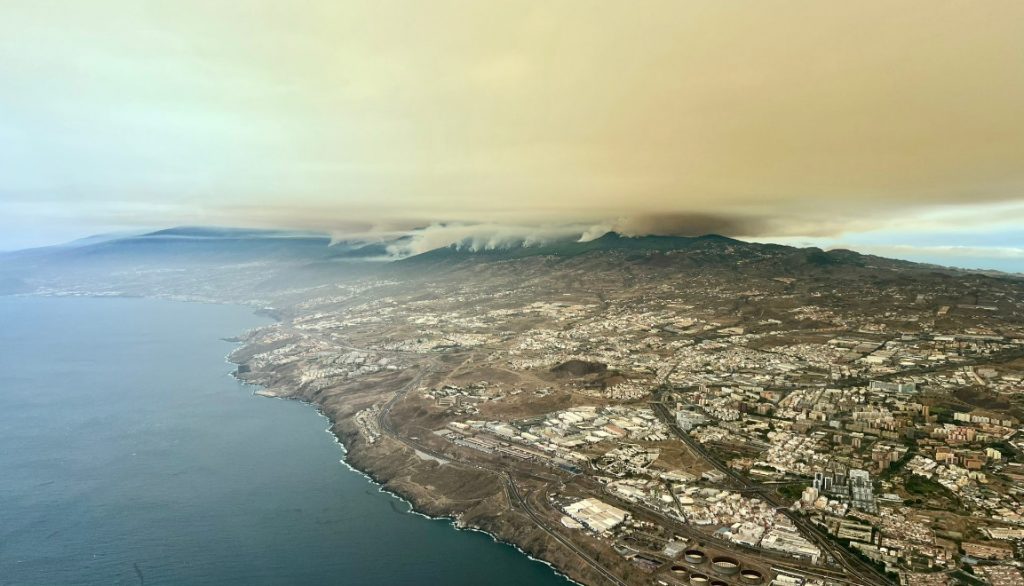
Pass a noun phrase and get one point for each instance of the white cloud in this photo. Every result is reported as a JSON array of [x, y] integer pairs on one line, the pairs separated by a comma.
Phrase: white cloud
[[488, 236]]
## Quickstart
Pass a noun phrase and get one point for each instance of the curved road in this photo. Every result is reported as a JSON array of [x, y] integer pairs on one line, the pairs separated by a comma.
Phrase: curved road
[[511, 490], [852, 565]]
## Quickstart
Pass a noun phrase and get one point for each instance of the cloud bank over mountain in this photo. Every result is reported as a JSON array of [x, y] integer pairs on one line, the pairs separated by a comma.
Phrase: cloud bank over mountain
[[778, 120]]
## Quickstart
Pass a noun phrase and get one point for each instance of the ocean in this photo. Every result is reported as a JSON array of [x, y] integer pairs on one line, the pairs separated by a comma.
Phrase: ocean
[[128, 455]]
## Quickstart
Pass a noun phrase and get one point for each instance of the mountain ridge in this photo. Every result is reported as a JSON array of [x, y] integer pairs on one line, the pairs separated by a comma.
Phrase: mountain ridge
[[279, 259]]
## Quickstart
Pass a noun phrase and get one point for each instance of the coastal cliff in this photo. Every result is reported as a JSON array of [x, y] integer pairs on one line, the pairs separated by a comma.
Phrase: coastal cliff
[[437, 487]]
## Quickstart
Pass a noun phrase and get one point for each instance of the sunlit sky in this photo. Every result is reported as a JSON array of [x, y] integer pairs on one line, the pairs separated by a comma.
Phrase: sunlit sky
[[895, 128]]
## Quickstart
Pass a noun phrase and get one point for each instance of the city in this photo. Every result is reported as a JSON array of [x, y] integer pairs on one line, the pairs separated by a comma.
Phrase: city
[[808, 436]]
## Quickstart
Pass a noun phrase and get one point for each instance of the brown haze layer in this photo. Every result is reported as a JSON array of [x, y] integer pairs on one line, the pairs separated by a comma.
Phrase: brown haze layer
[[766, 118]]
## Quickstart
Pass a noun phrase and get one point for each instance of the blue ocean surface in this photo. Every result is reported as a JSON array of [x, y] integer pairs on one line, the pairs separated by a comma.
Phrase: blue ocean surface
[[128, 455]]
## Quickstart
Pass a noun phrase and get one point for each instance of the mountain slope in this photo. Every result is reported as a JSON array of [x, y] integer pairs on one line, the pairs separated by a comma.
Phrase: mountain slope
[[247, 261], [702, 251]]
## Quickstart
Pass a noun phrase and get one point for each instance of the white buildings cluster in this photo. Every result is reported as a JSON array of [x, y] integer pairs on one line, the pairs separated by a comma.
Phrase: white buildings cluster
[[596, 515]]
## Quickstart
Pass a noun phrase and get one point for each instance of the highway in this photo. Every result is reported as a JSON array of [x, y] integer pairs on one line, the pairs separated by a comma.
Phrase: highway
[[511, 484], [853, 566], [681, 528], [511, 489], [849, 562]]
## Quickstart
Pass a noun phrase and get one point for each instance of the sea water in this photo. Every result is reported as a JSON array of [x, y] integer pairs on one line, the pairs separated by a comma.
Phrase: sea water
[[128, 455]]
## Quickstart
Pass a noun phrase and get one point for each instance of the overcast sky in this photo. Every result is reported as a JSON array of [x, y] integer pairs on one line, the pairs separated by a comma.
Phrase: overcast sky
[[894, 127]]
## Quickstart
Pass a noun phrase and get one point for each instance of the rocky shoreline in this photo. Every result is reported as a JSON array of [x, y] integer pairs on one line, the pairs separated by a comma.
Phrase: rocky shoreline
[[384, 467]]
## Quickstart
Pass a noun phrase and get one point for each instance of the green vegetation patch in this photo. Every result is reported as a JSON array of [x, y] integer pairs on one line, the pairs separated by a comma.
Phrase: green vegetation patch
[[791, 491], [922, 486]]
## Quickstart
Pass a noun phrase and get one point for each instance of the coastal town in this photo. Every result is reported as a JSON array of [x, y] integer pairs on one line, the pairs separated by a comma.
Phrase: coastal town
[[504, 293], [675, 411], [688, 429]]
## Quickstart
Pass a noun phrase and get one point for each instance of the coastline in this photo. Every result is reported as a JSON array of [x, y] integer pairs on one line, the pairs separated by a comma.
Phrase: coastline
[[333, 429], [501, 530]]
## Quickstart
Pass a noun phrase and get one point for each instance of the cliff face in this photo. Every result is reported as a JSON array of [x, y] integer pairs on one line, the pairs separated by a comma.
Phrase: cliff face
[[472, 497]]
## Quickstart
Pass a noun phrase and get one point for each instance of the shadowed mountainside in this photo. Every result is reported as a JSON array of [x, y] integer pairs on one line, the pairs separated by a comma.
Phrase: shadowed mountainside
[[238, 261]]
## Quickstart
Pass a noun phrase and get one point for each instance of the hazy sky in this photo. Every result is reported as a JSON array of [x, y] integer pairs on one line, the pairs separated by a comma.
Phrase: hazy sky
[[891, 126]]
